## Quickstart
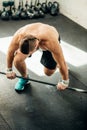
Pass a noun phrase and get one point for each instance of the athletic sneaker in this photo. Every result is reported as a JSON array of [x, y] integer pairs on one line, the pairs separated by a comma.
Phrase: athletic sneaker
[[20, 85]]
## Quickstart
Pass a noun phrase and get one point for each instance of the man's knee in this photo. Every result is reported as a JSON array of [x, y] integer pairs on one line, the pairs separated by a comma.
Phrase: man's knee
[[16, 61], [48, 72]]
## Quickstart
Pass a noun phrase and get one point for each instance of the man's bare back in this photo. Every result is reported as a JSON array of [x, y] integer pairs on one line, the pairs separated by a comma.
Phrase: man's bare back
[[44, 32]]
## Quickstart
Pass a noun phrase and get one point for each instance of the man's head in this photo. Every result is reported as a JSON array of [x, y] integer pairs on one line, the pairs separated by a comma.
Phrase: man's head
[[28, 44]]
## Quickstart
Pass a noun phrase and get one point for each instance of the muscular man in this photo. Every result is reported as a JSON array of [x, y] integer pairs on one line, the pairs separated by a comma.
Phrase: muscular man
[[29, 39]]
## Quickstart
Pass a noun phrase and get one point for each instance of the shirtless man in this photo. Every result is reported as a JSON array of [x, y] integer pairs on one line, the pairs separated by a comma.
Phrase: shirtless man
[[29, 39]]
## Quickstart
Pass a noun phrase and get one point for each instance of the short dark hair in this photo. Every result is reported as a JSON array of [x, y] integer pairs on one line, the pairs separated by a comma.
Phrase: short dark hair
[[27, 44]]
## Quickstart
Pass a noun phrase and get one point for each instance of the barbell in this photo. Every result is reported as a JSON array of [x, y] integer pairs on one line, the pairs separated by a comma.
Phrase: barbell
[[38, 81]]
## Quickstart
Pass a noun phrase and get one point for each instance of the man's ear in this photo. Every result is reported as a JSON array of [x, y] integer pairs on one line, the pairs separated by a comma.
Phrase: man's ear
[[24, 47]]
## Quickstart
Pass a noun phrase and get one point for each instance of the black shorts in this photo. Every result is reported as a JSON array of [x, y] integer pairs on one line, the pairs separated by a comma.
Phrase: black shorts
[[47, 59]]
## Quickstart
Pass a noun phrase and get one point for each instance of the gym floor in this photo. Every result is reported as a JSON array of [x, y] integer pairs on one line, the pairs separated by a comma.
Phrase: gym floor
[[42, 107]]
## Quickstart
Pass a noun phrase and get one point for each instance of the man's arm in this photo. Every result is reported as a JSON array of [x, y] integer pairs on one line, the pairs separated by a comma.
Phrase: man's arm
[[10, 57], [11, 50], [59, 58]]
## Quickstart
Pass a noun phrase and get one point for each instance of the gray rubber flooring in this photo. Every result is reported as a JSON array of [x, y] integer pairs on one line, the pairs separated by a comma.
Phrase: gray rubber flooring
[[42, 107]]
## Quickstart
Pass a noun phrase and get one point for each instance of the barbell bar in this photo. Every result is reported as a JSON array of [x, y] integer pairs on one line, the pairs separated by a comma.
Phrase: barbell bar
[[38, 81]]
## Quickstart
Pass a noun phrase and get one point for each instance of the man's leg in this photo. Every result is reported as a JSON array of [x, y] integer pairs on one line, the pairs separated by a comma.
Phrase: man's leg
[[48, 62], [49, 72], [20, 65]]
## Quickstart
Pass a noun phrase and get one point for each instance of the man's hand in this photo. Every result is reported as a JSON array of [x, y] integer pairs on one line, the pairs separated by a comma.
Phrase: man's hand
[[10, 74], [63, 84]]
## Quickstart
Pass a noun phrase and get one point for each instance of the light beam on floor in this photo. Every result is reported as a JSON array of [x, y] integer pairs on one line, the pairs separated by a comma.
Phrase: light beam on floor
[[74, 55]]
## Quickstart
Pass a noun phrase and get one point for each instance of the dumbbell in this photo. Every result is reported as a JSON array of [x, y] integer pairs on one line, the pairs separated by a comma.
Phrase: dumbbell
[[10, 3], [54, 8], [5, 14]]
